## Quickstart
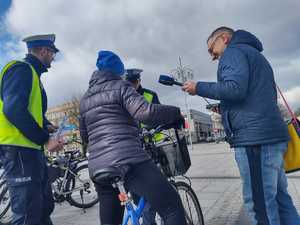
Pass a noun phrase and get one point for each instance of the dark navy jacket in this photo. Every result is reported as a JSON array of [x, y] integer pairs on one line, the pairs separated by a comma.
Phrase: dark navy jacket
[[247, 91], [15, 94]]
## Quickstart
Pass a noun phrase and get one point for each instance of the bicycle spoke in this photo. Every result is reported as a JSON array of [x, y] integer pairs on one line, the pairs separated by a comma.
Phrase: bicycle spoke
[[190, 204], [190, 219], [80, 189]]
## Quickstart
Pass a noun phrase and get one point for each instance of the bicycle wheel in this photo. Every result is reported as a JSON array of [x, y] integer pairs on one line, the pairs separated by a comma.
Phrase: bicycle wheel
[[193, 212], [83, 193], [5, 207]]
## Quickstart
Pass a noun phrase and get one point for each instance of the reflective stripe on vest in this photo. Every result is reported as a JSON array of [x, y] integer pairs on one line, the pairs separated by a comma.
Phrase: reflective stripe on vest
[[9, 134], [149, 98]]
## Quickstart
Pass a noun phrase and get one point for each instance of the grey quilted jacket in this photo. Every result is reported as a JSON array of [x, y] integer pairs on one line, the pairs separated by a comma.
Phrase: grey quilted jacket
[[109, 112]]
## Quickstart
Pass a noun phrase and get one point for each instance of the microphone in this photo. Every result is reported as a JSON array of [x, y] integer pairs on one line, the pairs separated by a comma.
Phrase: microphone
[[167, 80]]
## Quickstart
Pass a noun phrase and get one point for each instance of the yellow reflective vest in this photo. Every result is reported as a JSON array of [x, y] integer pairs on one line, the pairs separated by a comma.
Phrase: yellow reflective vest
[[9, 134], [149, 97]]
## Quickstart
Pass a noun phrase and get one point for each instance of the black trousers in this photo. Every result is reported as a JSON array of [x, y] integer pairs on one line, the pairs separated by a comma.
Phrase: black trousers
[[28, 185], [143, 179]]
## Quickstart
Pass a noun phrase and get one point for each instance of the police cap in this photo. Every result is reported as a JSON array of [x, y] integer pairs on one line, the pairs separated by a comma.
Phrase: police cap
[[133, 74], [45, 40]]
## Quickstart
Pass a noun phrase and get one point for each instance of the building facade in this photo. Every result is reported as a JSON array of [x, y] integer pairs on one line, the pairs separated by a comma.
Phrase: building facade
[[200, 125], [69, 109], [70, 112]]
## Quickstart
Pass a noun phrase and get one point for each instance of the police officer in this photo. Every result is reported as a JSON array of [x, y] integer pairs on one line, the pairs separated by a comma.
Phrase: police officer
[[24, 131], [134, 76]]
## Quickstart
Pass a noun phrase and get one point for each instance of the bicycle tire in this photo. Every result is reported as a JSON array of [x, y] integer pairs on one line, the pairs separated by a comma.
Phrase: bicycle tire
[[71, 184], [4, 196], [186, 192]]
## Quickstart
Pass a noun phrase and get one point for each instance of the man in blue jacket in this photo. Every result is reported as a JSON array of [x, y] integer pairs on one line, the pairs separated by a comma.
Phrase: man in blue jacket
[[252, 122], [24, 130]]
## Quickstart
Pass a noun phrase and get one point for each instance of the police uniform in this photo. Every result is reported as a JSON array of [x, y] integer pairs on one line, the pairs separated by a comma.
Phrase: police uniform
[[135, 74], [23, 133], [132, 75]]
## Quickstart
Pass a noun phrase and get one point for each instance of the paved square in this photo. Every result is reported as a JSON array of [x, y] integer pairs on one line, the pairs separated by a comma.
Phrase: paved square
[[215, 179]]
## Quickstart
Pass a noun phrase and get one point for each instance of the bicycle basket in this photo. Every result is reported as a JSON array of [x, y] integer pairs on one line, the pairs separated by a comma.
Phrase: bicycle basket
[[175, 157]]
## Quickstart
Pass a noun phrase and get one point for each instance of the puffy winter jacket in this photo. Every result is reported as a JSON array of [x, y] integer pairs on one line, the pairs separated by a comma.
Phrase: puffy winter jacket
[[109, 111]]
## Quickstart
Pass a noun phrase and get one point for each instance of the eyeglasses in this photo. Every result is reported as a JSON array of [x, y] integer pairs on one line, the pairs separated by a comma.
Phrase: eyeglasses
[[210, 49]]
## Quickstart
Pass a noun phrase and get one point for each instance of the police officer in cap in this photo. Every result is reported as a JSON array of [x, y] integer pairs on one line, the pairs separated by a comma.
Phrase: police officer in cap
[[24, 130], [134, 76]]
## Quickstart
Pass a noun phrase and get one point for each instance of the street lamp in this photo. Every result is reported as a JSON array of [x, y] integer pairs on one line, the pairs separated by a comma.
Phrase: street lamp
[[182, 74]]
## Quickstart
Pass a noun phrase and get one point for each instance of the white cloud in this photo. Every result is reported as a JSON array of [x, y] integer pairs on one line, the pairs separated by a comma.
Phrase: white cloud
[[146, 34], [290, 66], [293, 97]]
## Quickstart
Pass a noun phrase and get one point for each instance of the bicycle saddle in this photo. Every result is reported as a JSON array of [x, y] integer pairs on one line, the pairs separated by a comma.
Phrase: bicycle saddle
[[110, 174]]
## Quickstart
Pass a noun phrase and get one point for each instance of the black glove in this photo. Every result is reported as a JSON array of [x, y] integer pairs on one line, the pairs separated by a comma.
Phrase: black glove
[[180, 123], [177, 124]]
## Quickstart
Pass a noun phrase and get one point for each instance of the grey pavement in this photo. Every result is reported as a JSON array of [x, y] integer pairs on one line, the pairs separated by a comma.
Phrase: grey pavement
[[215, 179]]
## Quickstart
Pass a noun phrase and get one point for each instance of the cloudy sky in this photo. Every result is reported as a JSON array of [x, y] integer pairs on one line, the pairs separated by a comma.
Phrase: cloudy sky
[[150, 35]]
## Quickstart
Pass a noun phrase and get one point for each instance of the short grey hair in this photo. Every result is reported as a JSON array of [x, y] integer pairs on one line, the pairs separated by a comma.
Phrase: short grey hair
[[220, 30]]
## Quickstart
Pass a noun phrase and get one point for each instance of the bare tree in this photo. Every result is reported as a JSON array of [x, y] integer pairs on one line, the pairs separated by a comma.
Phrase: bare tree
[[73, 110]]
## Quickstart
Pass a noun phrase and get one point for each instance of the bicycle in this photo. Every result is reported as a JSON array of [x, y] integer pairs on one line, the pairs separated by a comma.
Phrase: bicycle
[[115, 176], [172, 157], [70, 182]]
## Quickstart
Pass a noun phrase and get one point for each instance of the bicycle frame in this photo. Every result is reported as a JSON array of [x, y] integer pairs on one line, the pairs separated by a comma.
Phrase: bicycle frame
[[133, 214], [61, 190]]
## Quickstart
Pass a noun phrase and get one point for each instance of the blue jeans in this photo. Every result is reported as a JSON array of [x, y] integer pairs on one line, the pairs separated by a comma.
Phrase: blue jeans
[[28, 185], [265, 192]]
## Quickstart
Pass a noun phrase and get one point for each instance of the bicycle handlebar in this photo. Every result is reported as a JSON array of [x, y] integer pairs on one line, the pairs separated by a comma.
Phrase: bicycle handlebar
[[158, 129], [72, 152]]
